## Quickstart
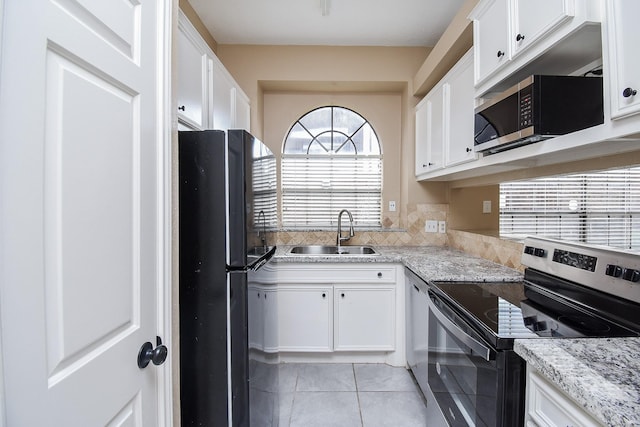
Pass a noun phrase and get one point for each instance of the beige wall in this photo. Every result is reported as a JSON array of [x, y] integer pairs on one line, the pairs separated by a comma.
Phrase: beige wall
[[284, 82], [382, 110]]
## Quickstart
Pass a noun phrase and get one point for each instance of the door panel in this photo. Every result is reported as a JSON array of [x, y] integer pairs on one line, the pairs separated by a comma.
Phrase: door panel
[[89, 302], [79, 141]]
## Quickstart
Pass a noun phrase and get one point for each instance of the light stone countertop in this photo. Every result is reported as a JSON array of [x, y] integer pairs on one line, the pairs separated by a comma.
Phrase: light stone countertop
[[601, 374], [431, 263]]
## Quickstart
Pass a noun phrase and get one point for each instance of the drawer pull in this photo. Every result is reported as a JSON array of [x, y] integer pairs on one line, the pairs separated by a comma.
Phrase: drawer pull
[[628, 92], [380, 274], [500, 54]]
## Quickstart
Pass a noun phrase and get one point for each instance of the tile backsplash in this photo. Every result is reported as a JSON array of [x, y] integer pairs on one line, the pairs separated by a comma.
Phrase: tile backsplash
[[390, 235], [484, 245]]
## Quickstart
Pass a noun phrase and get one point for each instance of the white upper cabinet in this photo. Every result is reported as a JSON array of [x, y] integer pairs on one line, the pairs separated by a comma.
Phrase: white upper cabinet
[[532, 20], [517, 38], [221, 98], [430, 131], [242, 118], [624, 61], [192, 78], [459, 116], [444, 120], [208, 97], [491, 29]]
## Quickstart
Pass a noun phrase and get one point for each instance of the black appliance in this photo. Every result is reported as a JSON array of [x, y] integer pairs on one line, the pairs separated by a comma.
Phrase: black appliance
[[222, 235], [569, 290], [537, 108]]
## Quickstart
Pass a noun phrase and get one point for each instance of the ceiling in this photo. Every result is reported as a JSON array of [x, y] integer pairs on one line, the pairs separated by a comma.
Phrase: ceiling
[[327, 22]]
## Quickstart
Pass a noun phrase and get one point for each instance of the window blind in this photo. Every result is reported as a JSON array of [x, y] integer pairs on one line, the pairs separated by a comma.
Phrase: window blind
[[597, 208], [316, 188], [265, 197]]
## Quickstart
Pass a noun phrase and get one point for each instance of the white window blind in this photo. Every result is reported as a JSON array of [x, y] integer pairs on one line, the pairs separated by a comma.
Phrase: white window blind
[[265, 197], [331, 161], [598, 208], [315, 189]]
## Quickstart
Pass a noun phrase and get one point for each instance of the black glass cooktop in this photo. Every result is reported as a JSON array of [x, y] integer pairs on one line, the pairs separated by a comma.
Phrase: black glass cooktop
[[523, 310]]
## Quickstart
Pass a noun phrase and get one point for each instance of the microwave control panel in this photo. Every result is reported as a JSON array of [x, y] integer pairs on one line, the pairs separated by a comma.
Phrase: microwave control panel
[[526, 107]]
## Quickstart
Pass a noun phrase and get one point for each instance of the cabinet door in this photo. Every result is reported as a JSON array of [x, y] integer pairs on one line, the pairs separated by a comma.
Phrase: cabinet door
[[546, 406], [270, 320], [421, 154], [419, 334], [624, 61], [460, 113], [364, 319], [242, 116], [532, 22], [191, 81], [430, 132], [222, 98], [305, 317], [491, 28], [256, 317]]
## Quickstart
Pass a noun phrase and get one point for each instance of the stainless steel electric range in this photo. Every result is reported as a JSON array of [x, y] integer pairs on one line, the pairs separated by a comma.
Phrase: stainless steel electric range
[[569, 290]]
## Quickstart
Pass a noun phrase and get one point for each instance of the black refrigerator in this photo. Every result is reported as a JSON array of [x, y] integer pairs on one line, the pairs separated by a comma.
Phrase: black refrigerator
[[226, 212]]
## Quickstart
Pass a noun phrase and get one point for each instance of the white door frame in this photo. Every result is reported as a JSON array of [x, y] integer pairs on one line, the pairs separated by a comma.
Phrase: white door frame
[[168, 10], [167, 13]]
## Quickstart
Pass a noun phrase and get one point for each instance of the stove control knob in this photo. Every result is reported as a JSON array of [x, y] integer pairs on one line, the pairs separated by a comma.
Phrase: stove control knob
[[539, 252], [613, 270], [529, 250], [631, 275]]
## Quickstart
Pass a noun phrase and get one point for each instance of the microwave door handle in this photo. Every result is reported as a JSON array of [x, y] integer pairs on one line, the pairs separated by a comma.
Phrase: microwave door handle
[[482, 350]]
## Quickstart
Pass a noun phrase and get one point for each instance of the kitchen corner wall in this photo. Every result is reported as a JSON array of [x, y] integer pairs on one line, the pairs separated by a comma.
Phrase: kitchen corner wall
[[490, 247]]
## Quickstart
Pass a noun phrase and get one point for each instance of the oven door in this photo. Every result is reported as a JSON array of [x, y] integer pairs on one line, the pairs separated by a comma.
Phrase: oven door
[[462, 369]]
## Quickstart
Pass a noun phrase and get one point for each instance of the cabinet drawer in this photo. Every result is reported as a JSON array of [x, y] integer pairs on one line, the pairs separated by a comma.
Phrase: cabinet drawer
[[336, 273]]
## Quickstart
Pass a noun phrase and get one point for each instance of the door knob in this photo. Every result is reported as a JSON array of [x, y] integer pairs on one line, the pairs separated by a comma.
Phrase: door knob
[[628, 92], [149, 354], [500, 54], [519, 37]]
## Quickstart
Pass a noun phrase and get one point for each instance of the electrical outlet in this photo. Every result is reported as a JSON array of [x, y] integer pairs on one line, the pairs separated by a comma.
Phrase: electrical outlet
[[431, 226], [486, 206], [442, 226], [392, 206]]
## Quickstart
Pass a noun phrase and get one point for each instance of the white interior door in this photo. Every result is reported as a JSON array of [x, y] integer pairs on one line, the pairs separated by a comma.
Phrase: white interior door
[[80, 225]]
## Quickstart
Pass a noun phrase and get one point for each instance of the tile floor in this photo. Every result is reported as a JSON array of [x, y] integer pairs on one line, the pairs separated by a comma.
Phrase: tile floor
[[345, 395]]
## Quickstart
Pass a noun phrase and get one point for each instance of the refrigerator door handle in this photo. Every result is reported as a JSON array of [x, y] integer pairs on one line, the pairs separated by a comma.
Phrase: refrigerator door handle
[[254, 265], [236, 268]]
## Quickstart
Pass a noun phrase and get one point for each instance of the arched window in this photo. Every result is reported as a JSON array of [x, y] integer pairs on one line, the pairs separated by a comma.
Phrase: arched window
[[331, 160]]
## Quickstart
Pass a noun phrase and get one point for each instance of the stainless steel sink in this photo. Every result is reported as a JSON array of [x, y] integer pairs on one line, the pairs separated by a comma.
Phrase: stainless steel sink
[[319, 250]]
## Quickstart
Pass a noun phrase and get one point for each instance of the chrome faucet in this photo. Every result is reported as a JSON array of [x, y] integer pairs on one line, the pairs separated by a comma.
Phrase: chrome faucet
[[339, 238], [262, 236]]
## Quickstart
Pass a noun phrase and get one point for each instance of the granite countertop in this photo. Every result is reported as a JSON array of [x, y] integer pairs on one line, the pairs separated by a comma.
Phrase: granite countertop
[[600, 374], [431, 263]]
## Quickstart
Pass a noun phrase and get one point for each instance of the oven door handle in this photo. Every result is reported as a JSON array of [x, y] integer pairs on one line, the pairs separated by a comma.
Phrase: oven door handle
[[482, 350]]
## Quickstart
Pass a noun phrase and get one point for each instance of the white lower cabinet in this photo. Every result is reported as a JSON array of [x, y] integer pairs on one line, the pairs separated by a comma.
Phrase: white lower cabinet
[[364, 318], [546, 406], [263, 318], [305, 318], [341, 312]]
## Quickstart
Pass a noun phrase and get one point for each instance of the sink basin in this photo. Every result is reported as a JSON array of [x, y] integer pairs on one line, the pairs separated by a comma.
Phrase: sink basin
[[332, 250]]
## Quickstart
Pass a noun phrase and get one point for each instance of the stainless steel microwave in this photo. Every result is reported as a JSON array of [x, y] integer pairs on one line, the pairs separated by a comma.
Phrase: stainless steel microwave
[[537, 108]]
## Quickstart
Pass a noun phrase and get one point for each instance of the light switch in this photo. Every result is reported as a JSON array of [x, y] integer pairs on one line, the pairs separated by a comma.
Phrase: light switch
[[486, 206]]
